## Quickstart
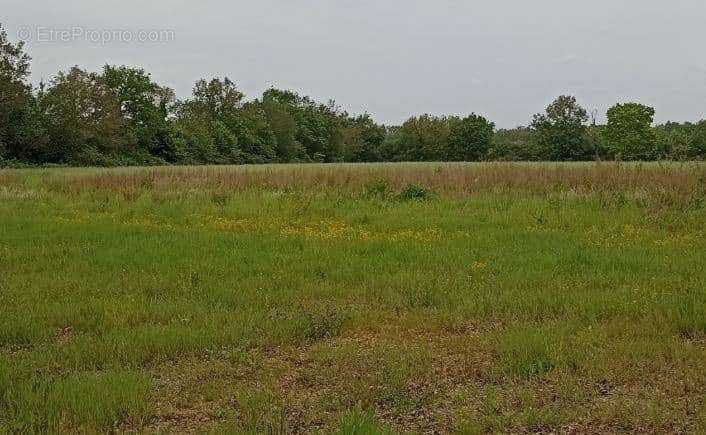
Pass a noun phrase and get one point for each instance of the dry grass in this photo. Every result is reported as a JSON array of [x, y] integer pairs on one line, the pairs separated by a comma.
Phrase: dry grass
[[7, 178], [677, 180]]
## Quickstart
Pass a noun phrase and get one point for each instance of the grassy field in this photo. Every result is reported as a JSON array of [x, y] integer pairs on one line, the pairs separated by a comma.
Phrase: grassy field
[[462, 298]]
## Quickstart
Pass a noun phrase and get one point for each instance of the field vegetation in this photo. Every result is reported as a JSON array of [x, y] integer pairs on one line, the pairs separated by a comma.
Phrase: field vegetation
[[121, 116], [370, 298]]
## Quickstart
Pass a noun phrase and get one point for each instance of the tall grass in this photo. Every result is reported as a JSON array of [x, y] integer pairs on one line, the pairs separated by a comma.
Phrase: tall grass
[[460, 178], [77, 402]]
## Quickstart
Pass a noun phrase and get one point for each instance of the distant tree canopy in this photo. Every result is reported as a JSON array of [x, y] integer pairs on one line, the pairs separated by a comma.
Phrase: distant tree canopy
[[470, 138], [629, 134], [121, 116], [15, 97], [560, 133], [83, 118]]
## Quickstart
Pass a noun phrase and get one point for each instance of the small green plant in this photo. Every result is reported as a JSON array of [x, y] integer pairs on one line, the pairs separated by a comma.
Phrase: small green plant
[[219, 198], [321, 322], [415, 192], [378, 188], [360, 422]]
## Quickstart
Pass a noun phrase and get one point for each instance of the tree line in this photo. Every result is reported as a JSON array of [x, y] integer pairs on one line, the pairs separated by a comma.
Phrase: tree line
[[120, 116]]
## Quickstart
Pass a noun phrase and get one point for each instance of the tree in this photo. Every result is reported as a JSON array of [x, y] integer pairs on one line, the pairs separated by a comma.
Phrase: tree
[[219, 99], [697, 142], [84, 118], [673, 140], [280, 109], [561, 132], [424, 138], [194, 136], [363, 139], [15, 95], [145, 106], [206, 123], [392, 148], [596, 143], [514, 144], [121, 116], [629, 134], [254, 134], [470, 138], [304, 129]]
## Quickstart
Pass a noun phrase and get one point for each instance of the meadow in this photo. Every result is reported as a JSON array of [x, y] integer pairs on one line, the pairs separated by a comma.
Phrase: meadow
[[370, 298]]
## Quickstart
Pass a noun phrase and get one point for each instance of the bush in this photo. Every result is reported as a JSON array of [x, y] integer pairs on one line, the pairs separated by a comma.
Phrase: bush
[[415, 192], [377, 189]]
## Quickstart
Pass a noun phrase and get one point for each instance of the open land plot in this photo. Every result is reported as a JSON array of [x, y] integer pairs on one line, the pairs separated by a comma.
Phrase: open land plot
[[354, 298]]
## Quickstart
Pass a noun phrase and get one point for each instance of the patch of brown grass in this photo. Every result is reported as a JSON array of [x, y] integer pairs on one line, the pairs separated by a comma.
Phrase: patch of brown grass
[[421, 384], [415, 379], [669, 183], [8, 179]]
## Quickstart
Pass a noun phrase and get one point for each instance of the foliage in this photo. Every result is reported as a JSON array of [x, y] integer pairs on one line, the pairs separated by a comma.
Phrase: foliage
[[305, 130], [685, 141], [363, 139], [470, 138], [254, 134], [514, 145], [415, 192], [121, 116], [15, 96], [82, 113], [145, 106], [629, 134], [560, 133], [425, 138], [696, 148]]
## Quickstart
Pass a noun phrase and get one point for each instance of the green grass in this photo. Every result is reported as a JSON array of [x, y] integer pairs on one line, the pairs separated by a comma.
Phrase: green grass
[[354, 299], [89, 401]]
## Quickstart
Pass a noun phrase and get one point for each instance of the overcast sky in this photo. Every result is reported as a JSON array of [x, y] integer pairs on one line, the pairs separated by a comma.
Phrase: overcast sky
[[394, 58]]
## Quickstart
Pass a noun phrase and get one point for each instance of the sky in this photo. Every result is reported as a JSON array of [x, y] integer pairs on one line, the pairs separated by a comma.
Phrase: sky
[[391, 58]]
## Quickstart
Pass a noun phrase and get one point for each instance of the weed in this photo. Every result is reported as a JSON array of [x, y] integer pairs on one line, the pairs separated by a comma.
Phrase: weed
[[261, 412], [219, 198], [378, 188], [359, 422], [528, 352], [415, 192], [320, 322]]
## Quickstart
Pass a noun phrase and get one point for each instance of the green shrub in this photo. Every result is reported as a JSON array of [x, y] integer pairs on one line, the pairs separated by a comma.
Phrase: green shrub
[[378, 188], [415, 192]]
